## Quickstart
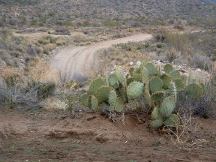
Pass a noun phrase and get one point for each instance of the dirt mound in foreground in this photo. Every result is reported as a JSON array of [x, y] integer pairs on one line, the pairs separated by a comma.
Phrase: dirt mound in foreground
[[57, 136]]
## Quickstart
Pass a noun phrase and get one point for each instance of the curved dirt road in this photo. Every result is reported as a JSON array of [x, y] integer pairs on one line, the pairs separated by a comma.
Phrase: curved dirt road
[[78, 63]]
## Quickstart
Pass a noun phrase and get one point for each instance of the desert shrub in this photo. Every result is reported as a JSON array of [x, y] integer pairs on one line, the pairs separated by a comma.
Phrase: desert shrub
[[47, 40], [208, 102], [72, 101], [131, 46], [11, 76], [7, 97], [202, 62], [171, 54], [159, 37], [147, 84], [205, 43], [43, 90], [22, 2], [62, 31], [80, 37], [159, 45], [179, 41], [179, 27], [30, 93], [111, 23]]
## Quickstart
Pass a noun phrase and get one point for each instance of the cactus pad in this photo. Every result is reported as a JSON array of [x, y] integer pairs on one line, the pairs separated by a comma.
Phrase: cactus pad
[[194, 90], [147, 96], [120, 76], [119, 105], [158, 96], [115, 102], [85, 99], [166, 80], [155, 84], [103, 94], [168, 68], [95, 85], [113, 81], [155, 114], [167, 106], [155, 124], [180, 84], [145, 74], [94, 103], [152, 70], [135, 90], [175, 74], [112, 99], [172, 121]]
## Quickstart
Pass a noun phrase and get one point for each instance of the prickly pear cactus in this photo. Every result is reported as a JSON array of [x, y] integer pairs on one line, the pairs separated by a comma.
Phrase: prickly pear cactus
[[156, 88], [103, 93], [115, 102], [172, 121], [145, 74], [168, 68], [166, 80], [155, 84], [158, 97], [135, 90], [167, 106], [85, 99], [152, 70], [155, 114], [95, 85], [113, 81], [180, 84], [120, 76], [112, 99], [155, 124], [94, 103], [194, 90]]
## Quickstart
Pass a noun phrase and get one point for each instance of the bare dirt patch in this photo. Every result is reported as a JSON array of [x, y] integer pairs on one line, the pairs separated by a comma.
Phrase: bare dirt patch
[[57, 136]]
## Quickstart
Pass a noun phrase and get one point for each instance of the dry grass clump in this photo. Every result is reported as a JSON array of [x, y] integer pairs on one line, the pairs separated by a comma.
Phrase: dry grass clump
[[41, 71], [11, 75], [79, 38], [172, 54], [186, 48], [179, 41], [210, 96], [49, 43], [184, 133], [53, 103], [16, 89]]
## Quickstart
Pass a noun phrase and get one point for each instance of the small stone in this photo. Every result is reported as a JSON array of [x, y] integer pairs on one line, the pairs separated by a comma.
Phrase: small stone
[[131, 63], [138, 63]]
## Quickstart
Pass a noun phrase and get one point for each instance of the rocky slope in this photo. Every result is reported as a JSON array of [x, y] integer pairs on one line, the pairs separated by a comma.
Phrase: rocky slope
[[104, 12]]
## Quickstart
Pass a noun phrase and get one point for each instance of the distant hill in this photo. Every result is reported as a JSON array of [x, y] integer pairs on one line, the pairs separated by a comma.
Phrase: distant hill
[[104, 12]]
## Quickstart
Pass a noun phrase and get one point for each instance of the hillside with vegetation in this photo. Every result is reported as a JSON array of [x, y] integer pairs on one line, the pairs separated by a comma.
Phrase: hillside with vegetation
[[107, 80], [105, 12]]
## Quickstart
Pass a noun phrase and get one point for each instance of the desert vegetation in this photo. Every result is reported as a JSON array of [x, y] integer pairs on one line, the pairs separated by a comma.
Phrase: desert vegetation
[[69, 91], [145, 85]]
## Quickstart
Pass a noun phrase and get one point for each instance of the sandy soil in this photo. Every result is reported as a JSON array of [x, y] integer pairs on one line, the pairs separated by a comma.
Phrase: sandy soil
[[78, 63], [57, 136]]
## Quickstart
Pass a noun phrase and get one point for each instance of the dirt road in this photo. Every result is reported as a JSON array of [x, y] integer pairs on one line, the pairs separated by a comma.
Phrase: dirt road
[[78, 63]]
